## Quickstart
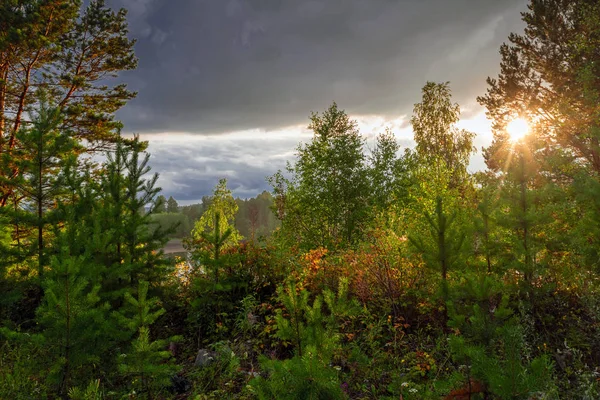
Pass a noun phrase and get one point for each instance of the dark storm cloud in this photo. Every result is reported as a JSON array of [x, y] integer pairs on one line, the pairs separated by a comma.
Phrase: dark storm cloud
[[223, 65], [191, 165]]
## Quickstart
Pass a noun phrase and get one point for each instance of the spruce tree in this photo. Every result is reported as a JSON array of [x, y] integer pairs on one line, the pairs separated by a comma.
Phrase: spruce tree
[[172, 206]]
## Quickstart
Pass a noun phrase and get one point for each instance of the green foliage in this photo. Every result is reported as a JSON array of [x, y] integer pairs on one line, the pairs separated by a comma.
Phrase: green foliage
[[214, 304], [21, 361], [325, 203], [478, 309], [255, 218], [79, 338], [308, 375], [217, 379], [91, 392], [161, 205], [73, 321], [438, 139], [488, 238], [73, 56], [521, 213], [172, 206], [507, 373], [440, 225], [303, 377], [305, 324], [587, 230], [492, 344], [561, 103], [446, 249], [219, 217], [42, 152], [386, 172], [91, 235], [166, 221], [131, 248], [212, 308], [139, 312], [146, 365]]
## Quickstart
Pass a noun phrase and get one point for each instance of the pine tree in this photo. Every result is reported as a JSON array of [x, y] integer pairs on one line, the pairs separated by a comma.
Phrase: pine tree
[[216, 241], [444, 244], [134, 250], [41, 153], [147, 363], [521, 213], [215, 294], [438, 227], [487, 238], [73, 321], [491, 342], [585, 237], [550, 75], [315, 335], [73, 56]]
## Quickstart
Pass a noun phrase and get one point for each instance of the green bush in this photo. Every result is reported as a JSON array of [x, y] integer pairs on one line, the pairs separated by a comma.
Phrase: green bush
[[298, 378]]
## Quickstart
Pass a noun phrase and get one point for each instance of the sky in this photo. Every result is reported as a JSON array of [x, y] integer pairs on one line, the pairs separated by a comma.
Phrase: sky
[[225, 87]]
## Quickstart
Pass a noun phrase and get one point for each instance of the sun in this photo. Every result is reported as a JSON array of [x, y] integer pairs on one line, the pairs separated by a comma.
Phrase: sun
[[517, 129]]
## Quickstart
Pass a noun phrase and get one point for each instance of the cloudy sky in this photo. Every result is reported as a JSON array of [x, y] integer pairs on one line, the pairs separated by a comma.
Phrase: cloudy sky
[[226, 86]]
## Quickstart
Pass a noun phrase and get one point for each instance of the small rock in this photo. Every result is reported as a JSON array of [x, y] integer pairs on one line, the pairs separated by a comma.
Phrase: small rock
[[205, 357]]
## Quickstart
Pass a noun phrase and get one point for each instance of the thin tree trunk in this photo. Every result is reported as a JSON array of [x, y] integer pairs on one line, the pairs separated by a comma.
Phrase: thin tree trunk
[[525, 224], [68, 332], [40, 212], [486, 227], [3, 84]]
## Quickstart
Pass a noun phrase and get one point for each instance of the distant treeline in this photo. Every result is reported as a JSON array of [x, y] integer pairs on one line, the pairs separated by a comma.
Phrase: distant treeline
[[253, 219]]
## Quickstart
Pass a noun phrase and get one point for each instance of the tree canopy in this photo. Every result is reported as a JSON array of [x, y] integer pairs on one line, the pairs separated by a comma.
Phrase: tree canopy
[[550, 75], [74, 57]]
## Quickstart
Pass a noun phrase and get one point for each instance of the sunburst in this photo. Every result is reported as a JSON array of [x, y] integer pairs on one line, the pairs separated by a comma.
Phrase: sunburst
[[517, 129]]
